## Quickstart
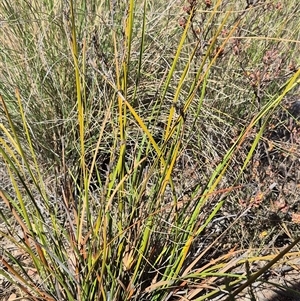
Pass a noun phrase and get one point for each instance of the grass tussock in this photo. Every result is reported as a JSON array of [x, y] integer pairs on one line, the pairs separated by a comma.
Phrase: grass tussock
[[148, 149]]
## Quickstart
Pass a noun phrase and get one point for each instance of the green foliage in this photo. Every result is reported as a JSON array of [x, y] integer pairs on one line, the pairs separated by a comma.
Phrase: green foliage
[[127, 132]]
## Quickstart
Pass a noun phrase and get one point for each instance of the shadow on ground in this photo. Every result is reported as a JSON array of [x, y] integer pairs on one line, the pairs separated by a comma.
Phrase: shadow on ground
[[278, 288]]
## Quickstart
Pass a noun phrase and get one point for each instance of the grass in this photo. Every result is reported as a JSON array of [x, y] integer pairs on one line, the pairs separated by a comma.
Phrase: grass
[[149, 150]]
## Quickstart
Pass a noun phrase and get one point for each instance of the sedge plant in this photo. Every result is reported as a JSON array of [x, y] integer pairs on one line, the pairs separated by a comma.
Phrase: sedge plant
[[92, 142]]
